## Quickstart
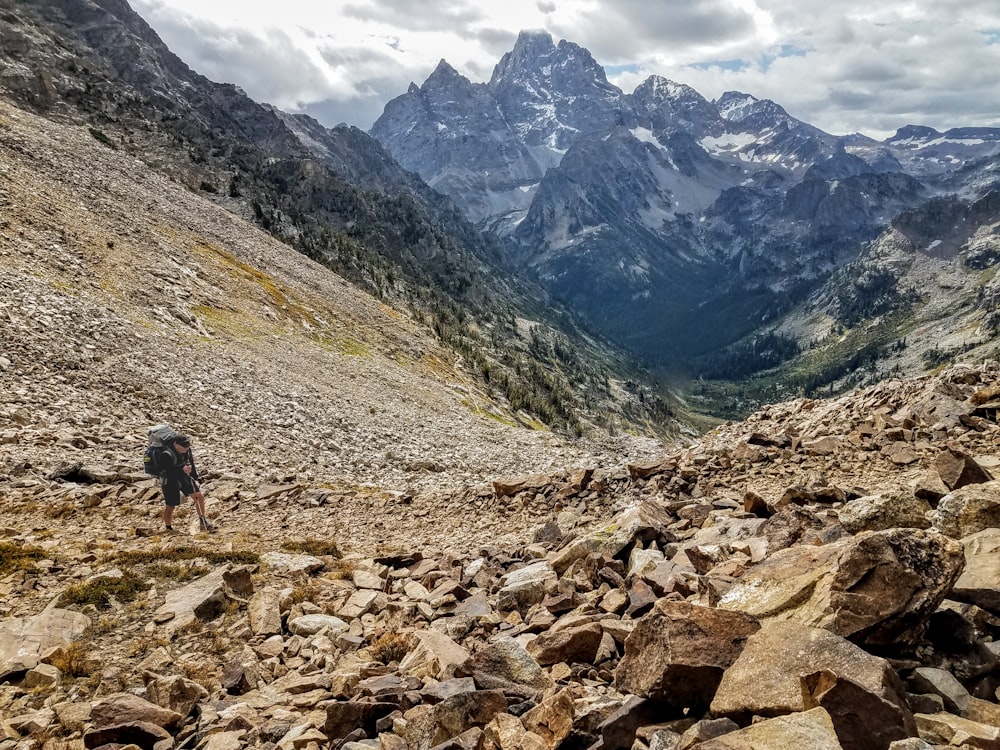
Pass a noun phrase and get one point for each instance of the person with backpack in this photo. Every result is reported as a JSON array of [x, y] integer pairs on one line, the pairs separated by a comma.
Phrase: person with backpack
[[170, 458]]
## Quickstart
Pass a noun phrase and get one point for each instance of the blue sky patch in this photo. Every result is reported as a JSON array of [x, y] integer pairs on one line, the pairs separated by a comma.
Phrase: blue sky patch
[[992, 36], [785, 50], [615, 70], [733, 66]]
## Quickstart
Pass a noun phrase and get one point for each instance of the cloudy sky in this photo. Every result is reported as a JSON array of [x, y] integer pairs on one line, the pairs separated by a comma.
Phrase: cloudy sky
[[843, 65]]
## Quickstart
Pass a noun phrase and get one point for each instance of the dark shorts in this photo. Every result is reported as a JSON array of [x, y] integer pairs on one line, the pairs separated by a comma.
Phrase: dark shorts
[[173, 489]]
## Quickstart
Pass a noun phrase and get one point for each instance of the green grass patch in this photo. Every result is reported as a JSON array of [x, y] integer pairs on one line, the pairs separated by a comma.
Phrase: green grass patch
[[100, 592], [14, 557], [101, 137], [176, 571], [312, 547]]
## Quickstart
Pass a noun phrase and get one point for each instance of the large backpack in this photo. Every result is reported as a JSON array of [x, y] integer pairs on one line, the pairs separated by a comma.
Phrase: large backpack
[[159, 437]]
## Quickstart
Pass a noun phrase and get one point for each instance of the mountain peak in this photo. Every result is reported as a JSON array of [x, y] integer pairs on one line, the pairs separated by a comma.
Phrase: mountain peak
[[664, 88], [443, 71], [735, 105], [533, 41]]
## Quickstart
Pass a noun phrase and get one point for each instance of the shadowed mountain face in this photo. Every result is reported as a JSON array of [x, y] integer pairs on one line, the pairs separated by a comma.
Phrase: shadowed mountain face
[[675, 224]]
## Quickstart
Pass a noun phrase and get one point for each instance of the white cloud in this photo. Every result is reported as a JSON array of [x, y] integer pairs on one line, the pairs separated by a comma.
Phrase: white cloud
[[843, 65]]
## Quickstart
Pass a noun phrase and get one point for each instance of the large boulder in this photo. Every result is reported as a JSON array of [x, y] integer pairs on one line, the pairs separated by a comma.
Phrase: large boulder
[[505, 663], [957, 469], [521, 588], [126, 708], [888, 510], [264, 612], [202, 599], [435, 655], [571, 644], [786, 667], [678, 652], [427, 726], [175, 693], [876, 588], [644, 522], [968, 509]]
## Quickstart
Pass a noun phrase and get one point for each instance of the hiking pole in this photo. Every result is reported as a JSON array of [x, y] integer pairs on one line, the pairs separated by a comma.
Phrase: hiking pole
[[200, 507]]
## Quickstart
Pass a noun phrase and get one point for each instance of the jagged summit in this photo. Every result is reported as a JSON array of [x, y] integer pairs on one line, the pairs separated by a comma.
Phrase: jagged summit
[[442, 72]]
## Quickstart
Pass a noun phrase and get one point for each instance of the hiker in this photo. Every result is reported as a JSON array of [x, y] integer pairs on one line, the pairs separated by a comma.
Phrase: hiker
[[179, 476]]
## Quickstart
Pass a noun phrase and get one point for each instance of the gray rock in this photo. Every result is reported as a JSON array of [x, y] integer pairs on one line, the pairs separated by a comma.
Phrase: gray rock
[[968, 509], [312, 624], [943, 683]]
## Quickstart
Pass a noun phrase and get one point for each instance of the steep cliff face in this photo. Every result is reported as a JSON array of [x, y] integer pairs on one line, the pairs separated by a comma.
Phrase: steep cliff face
[[673, 223]]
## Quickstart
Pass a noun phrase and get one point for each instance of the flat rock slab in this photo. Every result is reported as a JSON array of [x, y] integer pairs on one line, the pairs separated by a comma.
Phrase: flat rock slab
[[24, 639], [197, 600], [811, 729]]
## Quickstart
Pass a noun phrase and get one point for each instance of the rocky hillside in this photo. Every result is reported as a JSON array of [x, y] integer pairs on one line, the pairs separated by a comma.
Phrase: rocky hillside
[[128, 301], [822, 575], [396, 563]]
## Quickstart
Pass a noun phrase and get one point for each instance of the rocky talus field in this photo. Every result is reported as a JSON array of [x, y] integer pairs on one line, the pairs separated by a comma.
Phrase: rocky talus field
[[398, 562]]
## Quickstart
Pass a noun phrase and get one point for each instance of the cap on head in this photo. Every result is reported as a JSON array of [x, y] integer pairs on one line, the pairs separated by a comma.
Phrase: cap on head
[[182, 440]]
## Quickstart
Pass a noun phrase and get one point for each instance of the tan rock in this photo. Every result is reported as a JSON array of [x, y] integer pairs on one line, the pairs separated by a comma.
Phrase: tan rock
[[880, 586], [506, 732], [125, 708], [644, 521], [811, 729], [888, 510], [958, 469], [552, 719], [175, 693], [570, 645], [951, 730], [772, 676], [968, 509], [264, 611], [435, 655], [678, 652], [23, 640]]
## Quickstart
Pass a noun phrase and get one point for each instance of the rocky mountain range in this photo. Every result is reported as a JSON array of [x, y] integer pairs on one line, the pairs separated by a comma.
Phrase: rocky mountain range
[[689, 228], [403, 558]]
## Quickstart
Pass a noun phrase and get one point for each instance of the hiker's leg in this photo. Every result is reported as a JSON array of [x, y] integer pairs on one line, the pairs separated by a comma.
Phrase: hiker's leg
[[171, 499]]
